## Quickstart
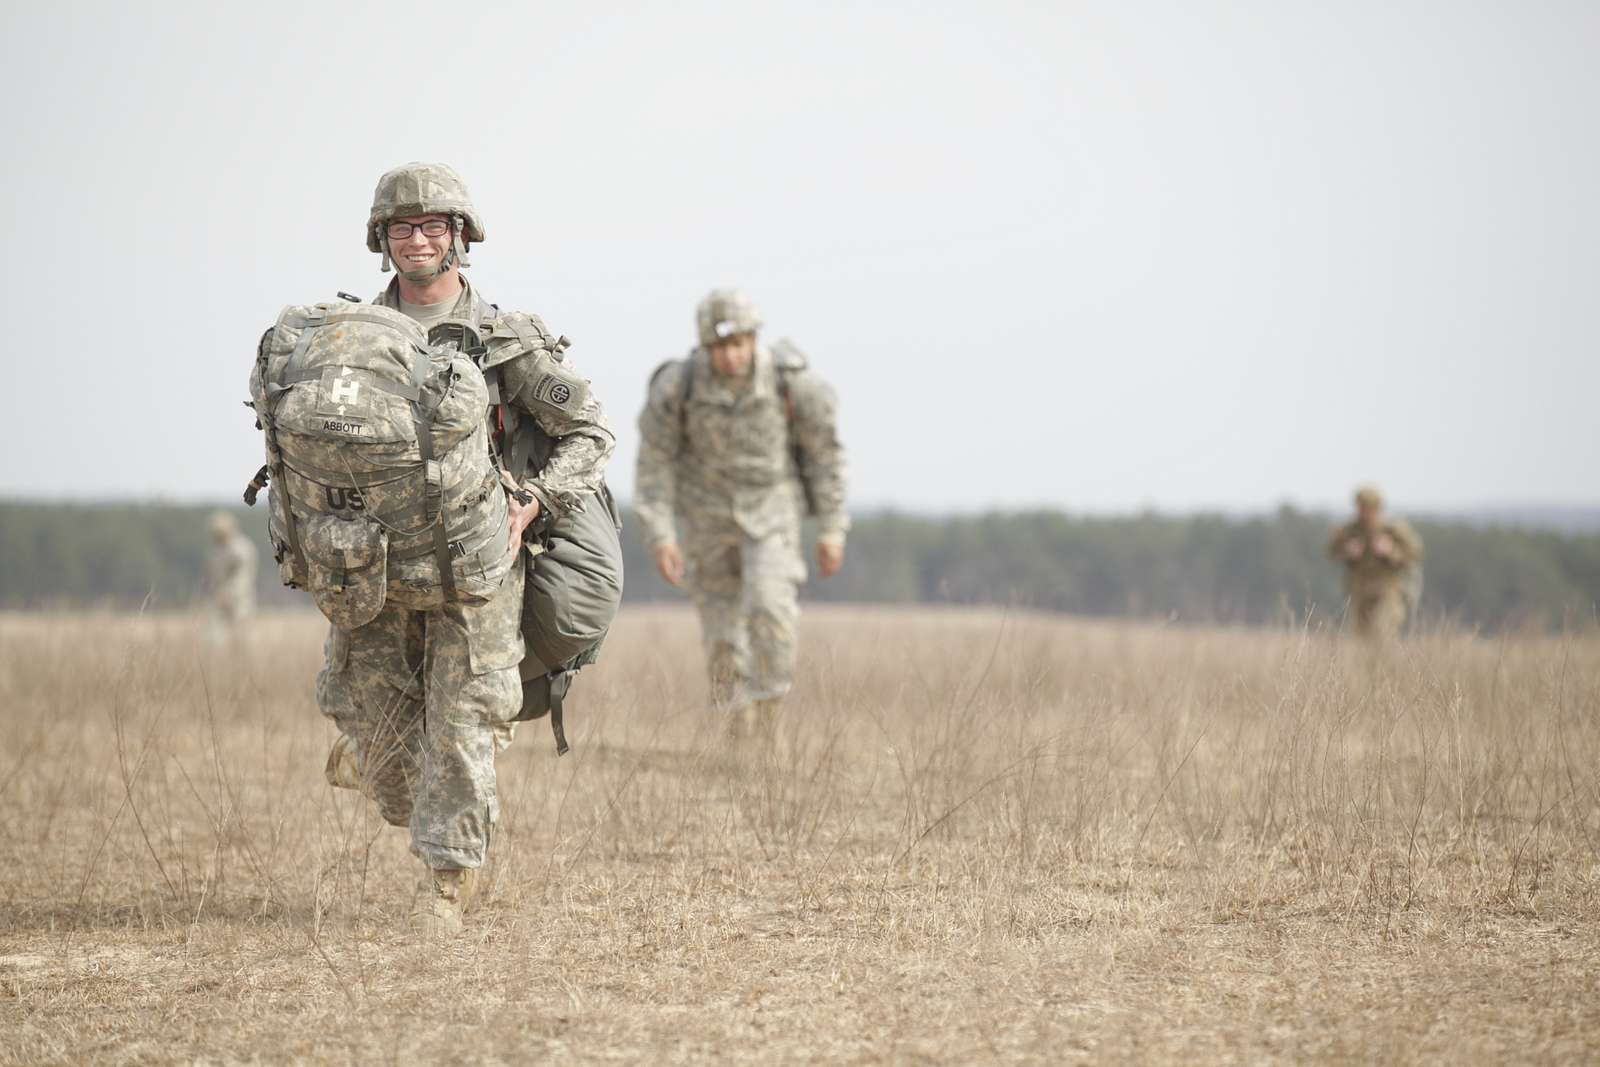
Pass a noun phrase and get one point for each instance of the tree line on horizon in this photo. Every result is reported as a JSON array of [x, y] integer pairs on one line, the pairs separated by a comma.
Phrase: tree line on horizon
[[1266, 569]]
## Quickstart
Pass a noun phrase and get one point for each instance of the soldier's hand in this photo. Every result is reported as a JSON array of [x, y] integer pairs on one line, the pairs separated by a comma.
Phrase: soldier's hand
[[830, 557], [1353, 548], [669, 561], [522, 516], [1383, 547]]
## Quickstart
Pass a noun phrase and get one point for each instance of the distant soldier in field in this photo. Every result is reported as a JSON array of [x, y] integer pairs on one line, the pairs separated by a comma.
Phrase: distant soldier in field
[[1382, 558], [230, 577], [738, 442], [434, 458]]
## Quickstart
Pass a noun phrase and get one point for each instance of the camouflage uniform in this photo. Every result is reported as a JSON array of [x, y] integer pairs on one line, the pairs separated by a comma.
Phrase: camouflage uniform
[[419, 695], [582, 439], [425, 699], [723, 456], [230, 575], [1382, 593]]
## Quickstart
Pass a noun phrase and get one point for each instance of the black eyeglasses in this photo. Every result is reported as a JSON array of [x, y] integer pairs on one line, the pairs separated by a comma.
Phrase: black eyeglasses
[[400, 231]]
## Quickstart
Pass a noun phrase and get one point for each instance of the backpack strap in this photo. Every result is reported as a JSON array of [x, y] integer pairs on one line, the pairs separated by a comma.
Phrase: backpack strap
[[291, 366], [788, 361], [370, 380], [275, 388], [559, 684], [685, 390], [520, 439], [526, 332], [433, 492], [795, 450], [359, 314]]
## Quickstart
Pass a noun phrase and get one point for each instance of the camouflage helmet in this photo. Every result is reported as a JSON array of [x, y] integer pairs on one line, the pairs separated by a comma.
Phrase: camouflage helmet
[[421, 189], [725, 313]]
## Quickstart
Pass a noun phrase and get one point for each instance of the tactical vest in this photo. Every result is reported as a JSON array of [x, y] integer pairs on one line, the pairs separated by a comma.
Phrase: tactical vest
[[574, 580], [751, 445], [383, 490]]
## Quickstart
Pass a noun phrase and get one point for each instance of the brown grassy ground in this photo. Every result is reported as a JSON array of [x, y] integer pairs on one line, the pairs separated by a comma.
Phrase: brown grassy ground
[[974, 838]]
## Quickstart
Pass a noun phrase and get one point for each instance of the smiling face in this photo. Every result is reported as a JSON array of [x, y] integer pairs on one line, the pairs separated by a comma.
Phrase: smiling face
[[420, 257]]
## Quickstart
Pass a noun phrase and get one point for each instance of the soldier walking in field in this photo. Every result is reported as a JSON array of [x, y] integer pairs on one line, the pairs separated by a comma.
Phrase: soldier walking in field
[[738, 442], [1382, 560], [429, 453], [230, 578]]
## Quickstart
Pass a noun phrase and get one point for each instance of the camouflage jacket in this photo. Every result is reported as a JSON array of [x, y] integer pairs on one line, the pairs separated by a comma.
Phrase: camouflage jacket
[[718, 453], [231, 568], [1369, 573], [581, 440]]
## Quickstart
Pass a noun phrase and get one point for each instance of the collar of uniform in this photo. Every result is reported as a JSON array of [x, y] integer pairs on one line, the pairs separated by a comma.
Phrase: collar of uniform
[[469, 305]]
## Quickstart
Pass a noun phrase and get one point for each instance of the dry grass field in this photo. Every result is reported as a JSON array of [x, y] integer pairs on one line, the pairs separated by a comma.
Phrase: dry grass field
[[974, 837]]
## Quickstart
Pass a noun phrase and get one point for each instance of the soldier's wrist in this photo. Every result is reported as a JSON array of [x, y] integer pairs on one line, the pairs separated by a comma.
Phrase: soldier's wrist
[[549, 508]]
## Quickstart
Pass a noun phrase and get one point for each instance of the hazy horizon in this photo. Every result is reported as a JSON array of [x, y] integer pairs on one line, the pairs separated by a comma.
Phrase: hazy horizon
[[1534, 514], [1096, 257]]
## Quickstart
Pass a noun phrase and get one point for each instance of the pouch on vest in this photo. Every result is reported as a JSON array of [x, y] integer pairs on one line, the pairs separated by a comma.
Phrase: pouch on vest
[[346, 565]]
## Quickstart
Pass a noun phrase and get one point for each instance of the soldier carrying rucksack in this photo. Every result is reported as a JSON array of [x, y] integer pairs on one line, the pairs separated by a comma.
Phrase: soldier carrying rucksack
[[736, 442], [430, 457]]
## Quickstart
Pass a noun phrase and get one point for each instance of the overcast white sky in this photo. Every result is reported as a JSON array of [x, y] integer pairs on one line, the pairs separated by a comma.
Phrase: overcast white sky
[[1089, 255]]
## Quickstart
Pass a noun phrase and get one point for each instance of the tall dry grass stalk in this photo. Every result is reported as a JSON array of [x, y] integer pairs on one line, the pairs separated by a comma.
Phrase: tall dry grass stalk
[[971, 836]]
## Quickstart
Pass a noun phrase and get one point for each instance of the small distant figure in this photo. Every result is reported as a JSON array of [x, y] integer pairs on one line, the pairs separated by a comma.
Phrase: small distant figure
[[1382, 560], [738, 442], [230, 577]]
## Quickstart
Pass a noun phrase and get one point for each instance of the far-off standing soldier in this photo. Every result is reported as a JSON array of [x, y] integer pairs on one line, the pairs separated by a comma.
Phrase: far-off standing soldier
[[230, 577], [1382, 558], [738, 442]]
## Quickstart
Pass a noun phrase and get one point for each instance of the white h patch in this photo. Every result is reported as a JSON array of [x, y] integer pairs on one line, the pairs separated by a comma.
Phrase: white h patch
[[344, 391]]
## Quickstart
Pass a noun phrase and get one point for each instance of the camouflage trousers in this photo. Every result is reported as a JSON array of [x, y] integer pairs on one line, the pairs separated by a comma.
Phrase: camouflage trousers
[[1381, 615], [746, 592], [422, 696], [226, 614]]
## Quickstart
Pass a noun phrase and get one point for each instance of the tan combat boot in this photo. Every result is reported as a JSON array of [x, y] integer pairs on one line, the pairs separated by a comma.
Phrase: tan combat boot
[[341, 770], [441, 899], [740, 722], [764, 717]]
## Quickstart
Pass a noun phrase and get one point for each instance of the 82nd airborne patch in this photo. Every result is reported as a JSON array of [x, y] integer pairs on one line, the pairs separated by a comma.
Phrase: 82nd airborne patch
[[560, 389]]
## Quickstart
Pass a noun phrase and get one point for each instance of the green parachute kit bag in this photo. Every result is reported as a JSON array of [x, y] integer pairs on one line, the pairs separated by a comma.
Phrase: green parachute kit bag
[[575, 575], [383, 490]]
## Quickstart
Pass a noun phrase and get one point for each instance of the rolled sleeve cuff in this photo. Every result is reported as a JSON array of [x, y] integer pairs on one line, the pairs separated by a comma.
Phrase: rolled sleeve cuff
[[549, 503], [654, 537], [833, 535]]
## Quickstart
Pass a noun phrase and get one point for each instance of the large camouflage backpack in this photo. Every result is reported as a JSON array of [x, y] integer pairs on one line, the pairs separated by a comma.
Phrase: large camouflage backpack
[[383, 490]]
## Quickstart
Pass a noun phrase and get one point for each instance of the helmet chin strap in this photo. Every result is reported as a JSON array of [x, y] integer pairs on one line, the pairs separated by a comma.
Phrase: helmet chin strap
[[457, 247], [428, 274]]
